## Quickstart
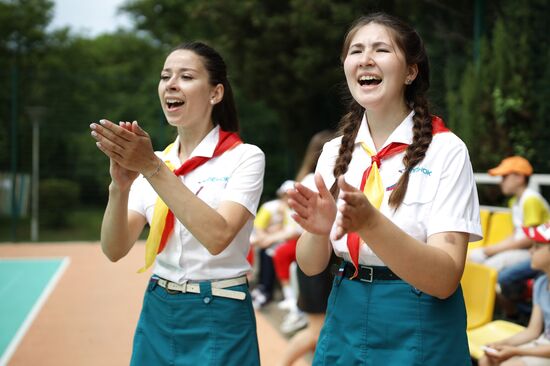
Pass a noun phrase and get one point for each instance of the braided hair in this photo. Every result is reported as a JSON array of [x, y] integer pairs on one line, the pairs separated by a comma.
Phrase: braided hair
[[409, 41]]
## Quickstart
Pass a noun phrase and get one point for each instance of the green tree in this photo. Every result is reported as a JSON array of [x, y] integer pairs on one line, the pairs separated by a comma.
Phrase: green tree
[[22, 40], [286, 53], [283, 58], [498, 107]]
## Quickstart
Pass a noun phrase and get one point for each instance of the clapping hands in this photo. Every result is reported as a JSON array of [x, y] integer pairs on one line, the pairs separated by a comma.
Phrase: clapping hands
[[128, 147], [354, 213], [316, 212]]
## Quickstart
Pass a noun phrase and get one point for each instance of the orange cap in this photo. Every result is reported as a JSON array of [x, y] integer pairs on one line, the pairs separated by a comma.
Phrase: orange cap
[[513, 164]]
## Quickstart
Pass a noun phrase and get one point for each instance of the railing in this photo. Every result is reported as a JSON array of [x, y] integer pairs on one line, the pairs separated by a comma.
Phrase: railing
[[535, 182]]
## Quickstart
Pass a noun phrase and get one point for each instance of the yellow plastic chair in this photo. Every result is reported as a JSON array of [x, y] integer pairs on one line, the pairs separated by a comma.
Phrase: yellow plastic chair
[[478, 285], [491, 332], [500, 227], [484, 216]]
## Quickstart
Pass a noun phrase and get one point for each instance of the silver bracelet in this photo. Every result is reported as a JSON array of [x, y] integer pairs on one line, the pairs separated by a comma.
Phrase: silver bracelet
[[155, 172]]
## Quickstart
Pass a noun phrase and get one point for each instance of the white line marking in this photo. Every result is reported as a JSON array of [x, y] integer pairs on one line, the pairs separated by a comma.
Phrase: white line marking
[[12, 346]]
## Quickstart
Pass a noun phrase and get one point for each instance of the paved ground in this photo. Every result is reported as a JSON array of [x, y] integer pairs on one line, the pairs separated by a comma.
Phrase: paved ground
[[90, 314]]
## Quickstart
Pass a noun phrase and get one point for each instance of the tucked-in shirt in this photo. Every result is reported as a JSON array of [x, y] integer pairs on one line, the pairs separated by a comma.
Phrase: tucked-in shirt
[[237, 176], [441, 195]]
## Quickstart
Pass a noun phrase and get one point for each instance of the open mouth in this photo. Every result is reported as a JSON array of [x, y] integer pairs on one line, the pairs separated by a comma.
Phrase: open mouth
[[174, 103], [369, 80]]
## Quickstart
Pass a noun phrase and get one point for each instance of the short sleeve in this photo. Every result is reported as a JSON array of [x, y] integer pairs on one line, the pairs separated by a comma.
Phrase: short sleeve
[[142, 196], [534, 212], [456, 204], [246, 182], [137, 197], [263, 217], [538, 288]]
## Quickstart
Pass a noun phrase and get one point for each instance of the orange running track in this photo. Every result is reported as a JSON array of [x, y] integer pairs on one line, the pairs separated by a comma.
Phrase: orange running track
[[90, 316]]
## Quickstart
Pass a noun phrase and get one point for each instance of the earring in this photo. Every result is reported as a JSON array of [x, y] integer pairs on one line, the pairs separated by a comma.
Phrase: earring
[[408, 81]]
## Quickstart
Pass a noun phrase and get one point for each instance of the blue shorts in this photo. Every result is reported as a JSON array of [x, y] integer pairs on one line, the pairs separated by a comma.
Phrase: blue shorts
[[391, 323], [195, 329]]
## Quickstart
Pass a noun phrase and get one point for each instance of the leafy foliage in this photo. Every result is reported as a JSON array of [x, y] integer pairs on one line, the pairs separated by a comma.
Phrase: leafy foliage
[[58, 198], [283, 58], [498, 107]]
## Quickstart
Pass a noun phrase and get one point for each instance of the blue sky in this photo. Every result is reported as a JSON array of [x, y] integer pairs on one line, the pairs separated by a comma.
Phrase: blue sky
[[89, 17]]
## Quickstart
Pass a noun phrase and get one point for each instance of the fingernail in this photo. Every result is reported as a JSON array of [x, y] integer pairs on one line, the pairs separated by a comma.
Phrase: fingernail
[[98, 144], [94, 134], [92, 126], [102, 121]]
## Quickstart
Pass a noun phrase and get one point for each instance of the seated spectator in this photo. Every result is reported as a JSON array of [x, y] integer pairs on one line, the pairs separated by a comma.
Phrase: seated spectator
[[531, 347], [529, 208], [272, 227], [313, 291], [514, 298]]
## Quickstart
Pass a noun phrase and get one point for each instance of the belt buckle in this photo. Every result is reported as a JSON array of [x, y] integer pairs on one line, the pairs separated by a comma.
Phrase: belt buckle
[[370, 274], [168, 289], [173, 291]]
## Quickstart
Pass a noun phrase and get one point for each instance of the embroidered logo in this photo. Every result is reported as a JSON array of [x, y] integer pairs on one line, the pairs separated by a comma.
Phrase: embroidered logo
[[215, 180], [417, 169]]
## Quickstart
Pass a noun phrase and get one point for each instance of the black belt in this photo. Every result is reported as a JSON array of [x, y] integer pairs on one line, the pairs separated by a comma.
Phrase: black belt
[[367, 273]]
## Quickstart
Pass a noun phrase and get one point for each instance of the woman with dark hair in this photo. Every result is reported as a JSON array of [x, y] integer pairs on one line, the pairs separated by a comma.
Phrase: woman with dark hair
[[199, 196], [400, 212]]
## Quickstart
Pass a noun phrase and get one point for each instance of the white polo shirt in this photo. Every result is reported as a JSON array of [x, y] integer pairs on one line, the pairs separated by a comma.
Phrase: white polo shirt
[[236, 175], [441, 195]]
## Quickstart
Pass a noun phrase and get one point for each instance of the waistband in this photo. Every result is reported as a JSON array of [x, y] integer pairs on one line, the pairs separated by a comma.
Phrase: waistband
[[218, 287], [367, 273]]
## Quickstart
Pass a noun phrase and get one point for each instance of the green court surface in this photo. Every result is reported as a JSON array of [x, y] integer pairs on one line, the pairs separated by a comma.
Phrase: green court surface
[[25, 285]]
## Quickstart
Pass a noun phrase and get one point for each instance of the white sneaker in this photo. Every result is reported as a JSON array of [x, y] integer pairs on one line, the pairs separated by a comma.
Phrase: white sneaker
[[287, 304], [258, 299], [293, 321]]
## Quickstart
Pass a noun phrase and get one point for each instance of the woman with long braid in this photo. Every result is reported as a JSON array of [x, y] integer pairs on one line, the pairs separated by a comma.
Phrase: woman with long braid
[[400, 211]]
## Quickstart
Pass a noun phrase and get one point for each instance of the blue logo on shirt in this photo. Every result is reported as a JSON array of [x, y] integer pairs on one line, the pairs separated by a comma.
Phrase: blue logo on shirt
[[417, 169], [422, 170], [215, 180]]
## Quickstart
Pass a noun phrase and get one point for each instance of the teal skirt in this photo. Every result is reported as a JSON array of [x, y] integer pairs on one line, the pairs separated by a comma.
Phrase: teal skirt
[[391, 323], [195, 329]]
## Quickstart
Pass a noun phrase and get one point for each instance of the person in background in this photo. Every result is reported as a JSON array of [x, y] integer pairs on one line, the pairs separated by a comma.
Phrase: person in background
[[528, 207], [272, 227], [402, 207], [199, 196], [530, 347], [513, 291], [313, 291], [511, 257]]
